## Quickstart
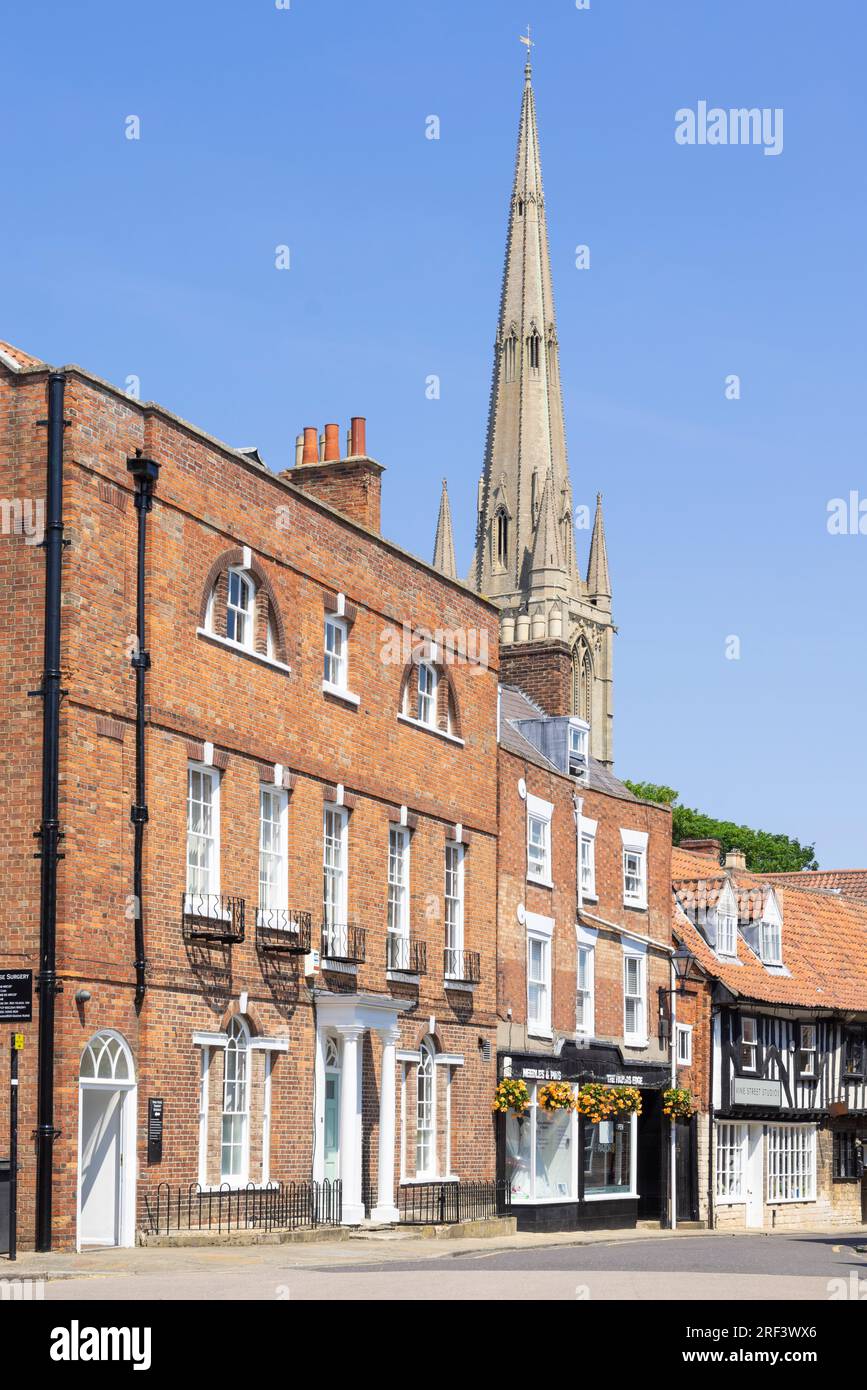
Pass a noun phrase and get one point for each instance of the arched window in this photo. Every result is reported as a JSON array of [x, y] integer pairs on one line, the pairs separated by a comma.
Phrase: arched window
[[520, 207], [426, 710], [425, 1142], [502, 537], [534, 346], [427, 694], [234, 1151], [106, 1058], [582, 681], [239, 606], [510, 357]]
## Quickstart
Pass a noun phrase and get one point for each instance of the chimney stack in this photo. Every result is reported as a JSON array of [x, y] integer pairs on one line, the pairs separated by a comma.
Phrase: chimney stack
[[332, 443], [358, 437], [735, 859], [310, 451], [710, 849], [299, 448]]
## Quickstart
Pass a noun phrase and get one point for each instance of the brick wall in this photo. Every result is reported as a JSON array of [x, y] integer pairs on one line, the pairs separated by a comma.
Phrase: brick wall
[[543, 670]]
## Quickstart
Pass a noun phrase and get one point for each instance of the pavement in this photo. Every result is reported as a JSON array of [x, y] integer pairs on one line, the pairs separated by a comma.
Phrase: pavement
[[688, 1265]]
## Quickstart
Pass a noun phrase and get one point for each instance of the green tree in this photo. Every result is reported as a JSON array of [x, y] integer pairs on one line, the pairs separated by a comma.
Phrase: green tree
[[765, 853]]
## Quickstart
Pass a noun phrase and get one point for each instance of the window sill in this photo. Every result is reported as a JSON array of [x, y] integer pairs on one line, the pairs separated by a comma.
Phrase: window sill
[[417, 1182], [610, 1196], [635, 904], [242, 651], [337, 967], [639, 1044], [407, 976], [210, 911], [430, 729], [544, 1033], [339, 692], [468, 986], [587, 897], [539, 882]]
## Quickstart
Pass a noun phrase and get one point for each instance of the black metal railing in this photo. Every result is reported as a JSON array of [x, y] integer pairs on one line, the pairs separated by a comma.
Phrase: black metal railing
[[283, 1206], [405, 953], [343, 941], [283, 929], [463, 967], [445, 1203], [212, 917]]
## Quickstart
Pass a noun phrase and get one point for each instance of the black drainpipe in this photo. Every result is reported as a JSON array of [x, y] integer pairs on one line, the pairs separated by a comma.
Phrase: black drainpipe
[[145, 472], [49, 833]]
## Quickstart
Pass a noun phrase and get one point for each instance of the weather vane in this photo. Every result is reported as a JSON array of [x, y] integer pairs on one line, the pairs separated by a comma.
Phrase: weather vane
[[525, 39]]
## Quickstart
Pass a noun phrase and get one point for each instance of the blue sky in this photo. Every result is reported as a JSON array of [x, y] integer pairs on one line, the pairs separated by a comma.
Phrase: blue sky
[[306, 127]]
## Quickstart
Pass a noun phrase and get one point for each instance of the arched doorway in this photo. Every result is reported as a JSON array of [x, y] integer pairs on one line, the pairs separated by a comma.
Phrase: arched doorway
[[106, 1142]]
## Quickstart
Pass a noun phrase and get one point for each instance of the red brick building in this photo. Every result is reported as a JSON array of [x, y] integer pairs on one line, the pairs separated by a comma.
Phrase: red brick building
[[305, 976], [584, 973]]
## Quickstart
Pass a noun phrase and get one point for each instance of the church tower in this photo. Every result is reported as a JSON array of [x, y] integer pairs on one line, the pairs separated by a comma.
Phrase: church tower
[[556, 629]]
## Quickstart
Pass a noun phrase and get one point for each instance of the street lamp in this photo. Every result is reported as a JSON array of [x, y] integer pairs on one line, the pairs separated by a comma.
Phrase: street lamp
[[682, 962]]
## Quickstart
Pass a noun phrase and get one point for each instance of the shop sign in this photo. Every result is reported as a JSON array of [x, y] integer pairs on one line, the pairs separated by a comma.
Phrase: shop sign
[[747, 1092], [624, 1079]]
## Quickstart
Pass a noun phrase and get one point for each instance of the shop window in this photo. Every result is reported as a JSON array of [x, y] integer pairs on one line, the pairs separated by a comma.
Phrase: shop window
[[539, 1154], [609, 1158], [847, 1156], [854, 1051], [730, 1145], [791, 1163]]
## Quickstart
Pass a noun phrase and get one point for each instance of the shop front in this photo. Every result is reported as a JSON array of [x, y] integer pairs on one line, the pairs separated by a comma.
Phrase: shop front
[[567, 1172]]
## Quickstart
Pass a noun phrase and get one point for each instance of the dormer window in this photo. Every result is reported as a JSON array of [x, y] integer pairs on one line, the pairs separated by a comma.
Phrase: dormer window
[[771, 943], [578, 740], [426, 709], [727, 934], [239, 609]]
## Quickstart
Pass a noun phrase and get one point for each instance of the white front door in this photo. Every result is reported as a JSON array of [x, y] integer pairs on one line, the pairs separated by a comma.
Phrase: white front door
[[101, 1166], [755, 1177]]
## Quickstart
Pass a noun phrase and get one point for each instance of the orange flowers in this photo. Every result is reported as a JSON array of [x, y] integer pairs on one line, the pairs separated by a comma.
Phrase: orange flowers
[[597, 1102], [511, 1096], [556, 1095], [677, 1102]]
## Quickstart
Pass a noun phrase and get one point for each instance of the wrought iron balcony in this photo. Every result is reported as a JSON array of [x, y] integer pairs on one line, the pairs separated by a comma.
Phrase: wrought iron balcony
[[405, 953], [212, 917], [461, 967], [283, 929], [343, 941]]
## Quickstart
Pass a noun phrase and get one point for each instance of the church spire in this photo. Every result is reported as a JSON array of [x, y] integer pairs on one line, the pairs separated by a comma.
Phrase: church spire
[[526, 434], [444, 544], [598, 581]]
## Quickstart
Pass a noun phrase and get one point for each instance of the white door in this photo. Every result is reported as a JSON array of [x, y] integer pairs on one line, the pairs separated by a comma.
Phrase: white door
[[101, 1165], [755, 1177]]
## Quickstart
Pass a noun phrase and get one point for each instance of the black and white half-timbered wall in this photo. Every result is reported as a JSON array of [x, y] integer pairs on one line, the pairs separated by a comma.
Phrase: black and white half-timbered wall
[[779, 993]]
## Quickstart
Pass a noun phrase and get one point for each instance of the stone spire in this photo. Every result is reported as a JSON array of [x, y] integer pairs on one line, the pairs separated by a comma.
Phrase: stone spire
[[598, 581], [526, 434], [556, 631], [444, 545]]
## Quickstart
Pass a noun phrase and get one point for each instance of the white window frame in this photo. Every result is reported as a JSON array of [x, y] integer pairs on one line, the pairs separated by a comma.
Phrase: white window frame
[[248, 614], [588, 861], [398, 895], [426, 1071], [730, 1163], [771, 942], [237, 1029], [635, 1037], [539, 813], [811, 1051], [791, 1156], [635, 844], [540, 932], [204, 901], [454, 906], [426, 700], [335, 659], [274, 914], [727, 934], [751, 1043], [335, 910], [586, 994], [683, 1044], [580, 734]]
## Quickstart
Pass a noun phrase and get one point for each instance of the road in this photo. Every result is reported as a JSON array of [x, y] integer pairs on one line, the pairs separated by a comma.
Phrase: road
[[685, 1268]]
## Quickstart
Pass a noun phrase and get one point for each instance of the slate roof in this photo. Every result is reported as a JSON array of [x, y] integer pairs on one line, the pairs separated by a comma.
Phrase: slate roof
[[514, 704], [824, 940]]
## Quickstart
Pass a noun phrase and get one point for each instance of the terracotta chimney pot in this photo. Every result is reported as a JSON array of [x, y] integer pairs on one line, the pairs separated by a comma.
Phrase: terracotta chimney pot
[[310, 452]]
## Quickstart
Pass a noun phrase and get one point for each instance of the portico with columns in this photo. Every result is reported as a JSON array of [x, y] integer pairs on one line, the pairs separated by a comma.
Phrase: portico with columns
[[343, 1021]]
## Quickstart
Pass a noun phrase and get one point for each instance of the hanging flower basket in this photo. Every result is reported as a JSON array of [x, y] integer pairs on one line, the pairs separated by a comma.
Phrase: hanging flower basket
[[597, 1102], [511, 1097], [556, 1095], [677, 1102]]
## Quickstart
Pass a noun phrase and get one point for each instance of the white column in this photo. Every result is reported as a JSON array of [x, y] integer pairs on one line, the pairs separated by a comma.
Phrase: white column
[[385, 1209], [350, 1120]]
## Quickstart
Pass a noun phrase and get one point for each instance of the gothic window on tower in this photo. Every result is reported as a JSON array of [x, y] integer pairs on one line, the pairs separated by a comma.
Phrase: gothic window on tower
[[510, 357], [582, 681], [534, 345], [502, 538]]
